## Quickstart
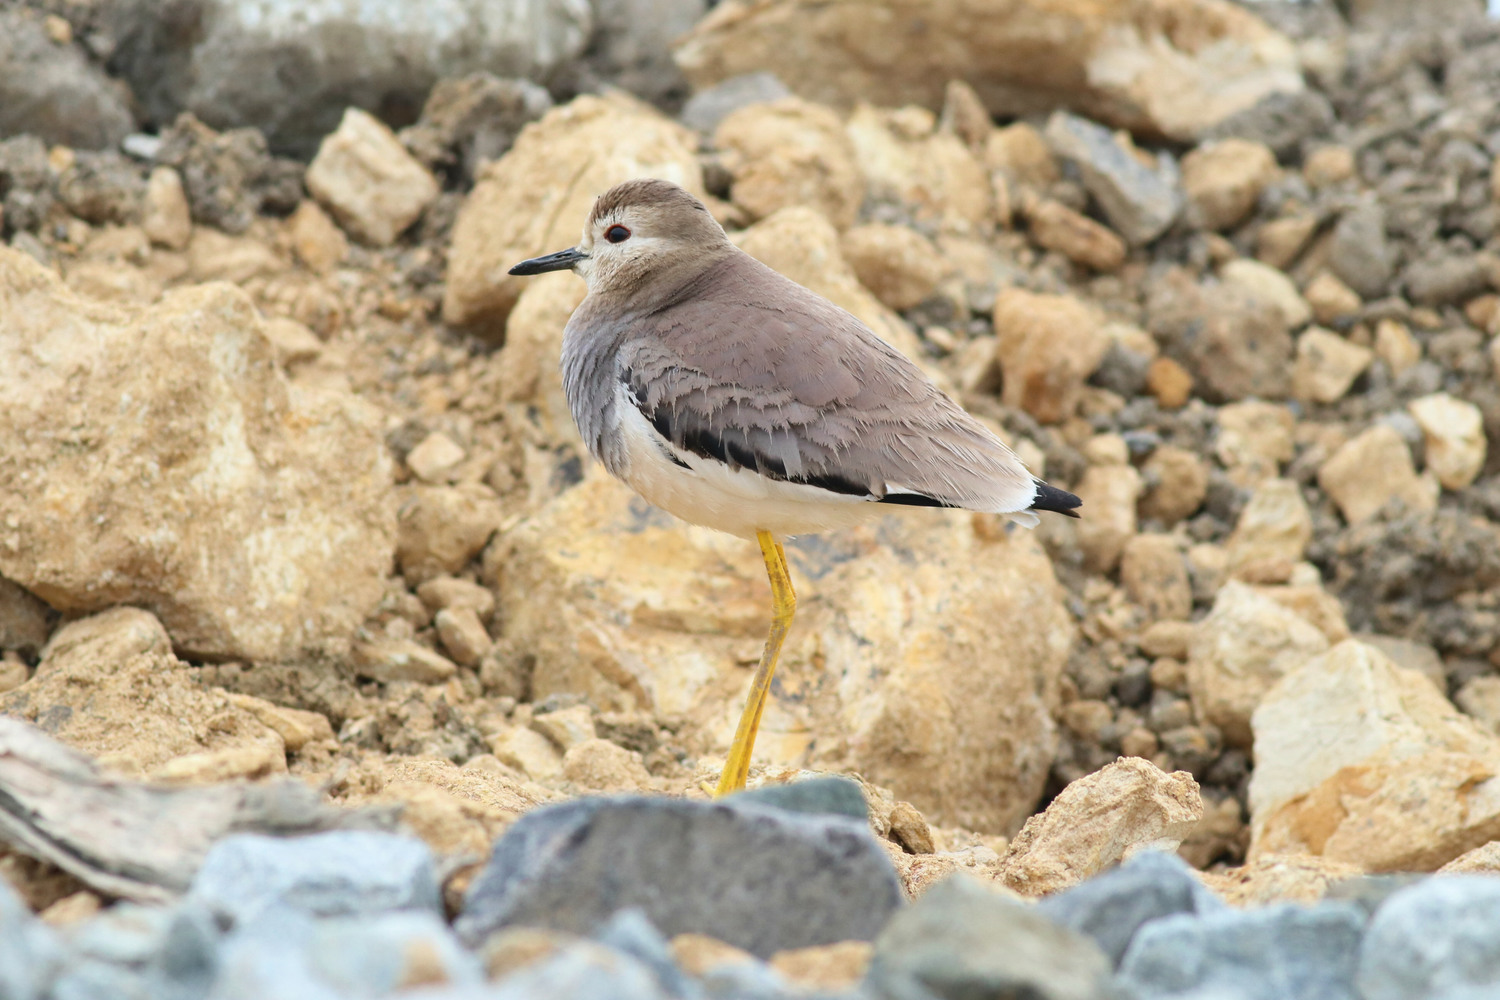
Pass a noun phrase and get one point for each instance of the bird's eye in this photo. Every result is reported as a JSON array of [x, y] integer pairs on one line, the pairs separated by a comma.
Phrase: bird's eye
[[617, 234]]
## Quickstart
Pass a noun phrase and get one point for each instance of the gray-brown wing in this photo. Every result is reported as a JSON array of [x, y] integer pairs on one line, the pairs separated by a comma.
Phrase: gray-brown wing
[[757, 372]]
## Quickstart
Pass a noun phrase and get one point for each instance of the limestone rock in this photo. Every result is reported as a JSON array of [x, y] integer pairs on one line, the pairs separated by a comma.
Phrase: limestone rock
[[1453, 432], [1247, 643], [440, 528], [1169, 382], [1327, 366], [463, 635], [394, 660], [1361, 761], [367, 179], [1110, 492], [1048, 347], [906, 159], [1395, 345], [434, 457], [319, 243], [1267, 284], [1372, 469], [1272, 534], [110, 686], [1175, 481], [1099, 821], [165, 217], [600, 765], [1055, 226], [1331, 300], [1021, 154], [253, 517], [1254, 440], [791, 152], [522, 205], [640, 611], [1224, 179], [1236, 344], [1120, 63], [898, 264], [1279, 878], [1155, 576]]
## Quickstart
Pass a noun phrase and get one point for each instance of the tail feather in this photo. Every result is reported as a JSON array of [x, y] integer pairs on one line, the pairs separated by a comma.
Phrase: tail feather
[[1056, 500]]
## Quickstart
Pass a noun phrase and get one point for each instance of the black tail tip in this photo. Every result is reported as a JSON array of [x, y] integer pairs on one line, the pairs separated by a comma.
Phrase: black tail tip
[[1056, 500]]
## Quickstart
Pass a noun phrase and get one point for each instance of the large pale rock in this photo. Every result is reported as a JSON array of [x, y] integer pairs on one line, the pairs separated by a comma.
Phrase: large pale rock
[[1247, 643], [1100, 820], [1361, 761], [1130, 64], [1453, 432], [923, 654], [524, 204], [898, 264], [930, 171], [1271, 535], [1372, 469], [1048, 346], [791, 152], [110, 686], [367, 179], [160, 458]]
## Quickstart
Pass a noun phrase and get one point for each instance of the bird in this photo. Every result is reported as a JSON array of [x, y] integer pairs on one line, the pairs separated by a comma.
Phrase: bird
[[732, 397]]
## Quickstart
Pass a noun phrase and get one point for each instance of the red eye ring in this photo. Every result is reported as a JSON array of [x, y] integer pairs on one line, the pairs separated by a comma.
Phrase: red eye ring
[[617, 233]]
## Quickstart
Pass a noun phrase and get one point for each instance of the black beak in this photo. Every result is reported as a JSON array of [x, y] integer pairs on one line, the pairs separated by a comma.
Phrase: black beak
[[560, 261]]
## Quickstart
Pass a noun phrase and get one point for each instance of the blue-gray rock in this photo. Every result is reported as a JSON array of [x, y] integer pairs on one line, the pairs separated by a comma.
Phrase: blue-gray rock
[[584, 971], [962, 940], [1282, 952], [266, 957], [1140, 202], [1113, 906], [90, 979], [707, 108], [1359, 254], [632, 46], [325, 874], [30, 953], [157, 952], [1280, 120], [1434, 939], [52, 91], [631, 932], [829, 796], [759, 878], [290, 68], [374, 956]]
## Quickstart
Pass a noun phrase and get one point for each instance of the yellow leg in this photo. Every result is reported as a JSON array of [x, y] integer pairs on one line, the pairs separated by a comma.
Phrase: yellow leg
[[783, 606]]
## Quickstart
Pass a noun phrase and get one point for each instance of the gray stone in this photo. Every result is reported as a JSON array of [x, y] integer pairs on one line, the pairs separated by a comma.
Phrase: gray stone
[[25, 621], [1281, 120], [632, 45], [30, 952], [473, 119], [582, 971], [52, 91], [1281, 952], [830, 796], [90, 979], [267, 957], [25, 183], [325, 874], [962, 940], [103, 187], [1447, 280], [631, 932], [379, 55], [759, 878], [1139, 202], [707, 108], [229, 177], [1434, 939], [1111, 908], [1359, 254], [364, 956]]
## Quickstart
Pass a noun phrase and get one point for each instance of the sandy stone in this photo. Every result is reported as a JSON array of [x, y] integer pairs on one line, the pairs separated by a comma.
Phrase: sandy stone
[[1175, 482], [1254, 441], [910, 829], [639, 611], [216, 256], [1048, 347], [368, 181], [1372, 469], [110, 686], [1482, 860], [1327, 366], [392, 660], [529, 752], [1099, 821], [1266, 283], [253, 517], [1023, 155], [1271, 535], [514, 948], [1279, 878], [1224, 179], [440, 528], [1236, 342], [791, 152], [318, 241], [830, 968], [529, 374], [900, 265], [1120, 63], [1169, 382], [566, 727], [165, 215], [1360, 761], [1087, 717], [1155, 576], [906, 160], [1453, 433], [522, 205], [435, 457], [13, 672], [600, 765], [463, 635], [697, 954], [450, 592], [1314, 605], [1168, 640], [1055, 226], [1246, 644], [1110, 492], [1395, 345], [1330, 299], [1480, 699], [296, 727], [1328, 165]]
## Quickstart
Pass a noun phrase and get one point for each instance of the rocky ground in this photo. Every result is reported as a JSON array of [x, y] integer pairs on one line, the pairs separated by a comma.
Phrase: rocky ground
[[290, 499]]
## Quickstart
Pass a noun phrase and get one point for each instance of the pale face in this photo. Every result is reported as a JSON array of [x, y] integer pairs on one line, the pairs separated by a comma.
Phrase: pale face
[[622, 247]]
